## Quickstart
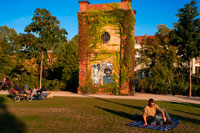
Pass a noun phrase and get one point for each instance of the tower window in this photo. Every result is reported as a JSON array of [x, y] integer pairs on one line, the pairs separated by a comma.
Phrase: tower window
[[105, 37]]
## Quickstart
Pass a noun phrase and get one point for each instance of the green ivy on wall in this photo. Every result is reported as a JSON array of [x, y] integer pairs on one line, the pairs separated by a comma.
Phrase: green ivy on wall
[[91, 24]]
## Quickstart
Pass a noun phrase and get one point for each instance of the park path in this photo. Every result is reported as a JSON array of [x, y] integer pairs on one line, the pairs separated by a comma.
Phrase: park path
[[137, 96]]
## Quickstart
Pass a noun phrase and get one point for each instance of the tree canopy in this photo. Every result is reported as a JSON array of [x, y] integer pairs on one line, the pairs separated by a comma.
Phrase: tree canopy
[[186, 32], [186, 35], [47, 28], [159, 58], [8, 49]]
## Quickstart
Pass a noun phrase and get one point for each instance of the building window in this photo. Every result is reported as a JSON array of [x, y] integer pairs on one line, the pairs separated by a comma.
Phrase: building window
[[105, 37]]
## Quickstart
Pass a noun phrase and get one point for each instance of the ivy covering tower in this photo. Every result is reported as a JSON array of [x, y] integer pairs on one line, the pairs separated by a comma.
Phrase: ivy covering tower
[[106, 47]]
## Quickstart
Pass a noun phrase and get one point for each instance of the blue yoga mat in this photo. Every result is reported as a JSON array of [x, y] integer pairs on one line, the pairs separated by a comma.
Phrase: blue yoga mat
[[156, 127]]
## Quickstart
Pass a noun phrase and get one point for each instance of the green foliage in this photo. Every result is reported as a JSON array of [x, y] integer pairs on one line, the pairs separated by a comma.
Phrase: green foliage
[[30, 47], [47, 28], [186, 33], [8, 49], [89, 88], [21, 55], [67, 64], [112, 88], [49, 33], [159, 57], [143, 84], [91, 25]]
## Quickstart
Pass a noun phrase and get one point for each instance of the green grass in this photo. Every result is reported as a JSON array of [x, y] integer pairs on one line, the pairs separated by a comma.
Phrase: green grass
[[69, 114]]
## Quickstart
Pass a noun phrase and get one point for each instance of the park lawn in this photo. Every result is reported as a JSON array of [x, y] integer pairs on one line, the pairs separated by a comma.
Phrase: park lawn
[[72, 114]]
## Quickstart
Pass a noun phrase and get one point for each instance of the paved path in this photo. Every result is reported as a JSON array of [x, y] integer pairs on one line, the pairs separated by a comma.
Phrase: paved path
[[137, 96]]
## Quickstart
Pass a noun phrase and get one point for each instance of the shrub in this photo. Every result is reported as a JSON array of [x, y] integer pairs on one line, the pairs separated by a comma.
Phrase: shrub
[[179, 89], [143, 84]]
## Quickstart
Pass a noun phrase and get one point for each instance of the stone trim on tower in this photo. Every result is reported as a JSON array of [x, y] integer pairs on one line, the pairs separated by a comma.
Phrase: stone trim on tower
[[85, 5]]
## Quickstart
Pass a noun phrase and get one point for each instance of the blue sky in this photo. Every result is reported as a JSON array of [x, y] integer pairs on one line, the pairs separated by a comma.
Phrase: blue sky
[[17, 14]]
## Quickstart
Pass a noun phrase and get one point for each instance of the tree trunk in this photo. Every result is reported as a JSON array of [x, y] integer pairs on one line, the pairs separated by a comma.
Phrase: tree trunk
[[41, 68], [190, 90]]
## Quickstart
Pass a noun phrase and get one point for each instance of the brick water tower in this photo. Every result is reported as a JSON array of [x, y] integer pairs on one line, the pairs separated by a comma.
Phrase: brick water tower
[[106, 47]]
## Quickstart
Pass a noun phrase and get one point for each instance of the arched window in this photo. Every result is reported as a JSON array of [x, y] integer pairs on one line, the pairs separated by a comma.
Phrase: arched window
[[105, 37]]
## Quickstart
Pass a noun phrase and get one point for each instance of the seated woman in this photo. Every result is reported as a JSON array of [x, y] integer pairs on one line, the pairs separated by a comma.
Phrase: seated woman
[[35, 92], [42, 93], [8, 84]]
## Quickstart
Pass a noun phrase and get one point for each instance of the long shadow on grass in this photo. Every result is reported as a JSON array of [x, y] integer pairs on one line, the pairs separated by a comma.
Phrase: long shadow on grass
[[119, 113], [186, 119], [187, 112], [187, 104], [130, 106], [8, 122]]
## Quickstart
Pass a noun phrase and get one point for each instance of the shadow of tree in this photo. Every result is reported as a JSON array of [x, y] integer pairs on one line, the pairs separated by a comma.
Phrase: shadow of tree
[[187, 112], [8, 122], [119, 113], [130, 116], [125, 105], [187, 104], [186, 119]]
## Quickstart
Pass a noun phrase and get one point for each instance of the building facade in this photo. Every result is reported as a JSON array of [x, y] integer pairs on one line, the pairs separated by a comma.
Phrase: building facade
[[138, 40], [106, 43], [196, 67]]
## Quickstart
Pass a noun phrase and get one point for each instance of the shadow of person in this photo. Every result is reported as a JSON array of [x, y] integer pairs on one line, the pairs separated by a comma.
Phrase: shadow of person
[[8, 122]]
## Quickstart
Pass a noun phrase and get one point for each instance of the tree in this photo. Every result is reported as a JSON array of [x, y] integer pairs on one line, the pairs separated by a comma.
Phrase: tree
[[49, 33], [67, 63], [186, 35], [30, 47], [26, 70], [159, 58], [8, 49]]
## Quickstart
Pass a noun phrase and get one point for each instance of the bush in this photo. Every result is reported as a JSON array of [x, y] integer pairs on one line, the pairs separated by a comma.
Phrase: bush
[[89, 88], [143, 84], [195, 89], [198, 92], [179, 89]]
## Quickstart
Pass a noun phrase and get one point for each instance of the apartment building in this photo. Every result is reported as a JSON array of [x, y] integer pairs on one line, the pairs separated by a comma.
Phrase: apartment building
[[138, 40]]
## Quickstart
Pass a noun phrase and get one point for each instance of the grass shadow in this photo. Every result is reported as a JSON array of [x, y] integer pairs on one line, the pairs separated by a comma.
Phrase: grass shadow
[[187, 112], [186, 119], [125, 105], [123, 114], [9, 96], [119, 113], [187, 104], [8, 122]]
